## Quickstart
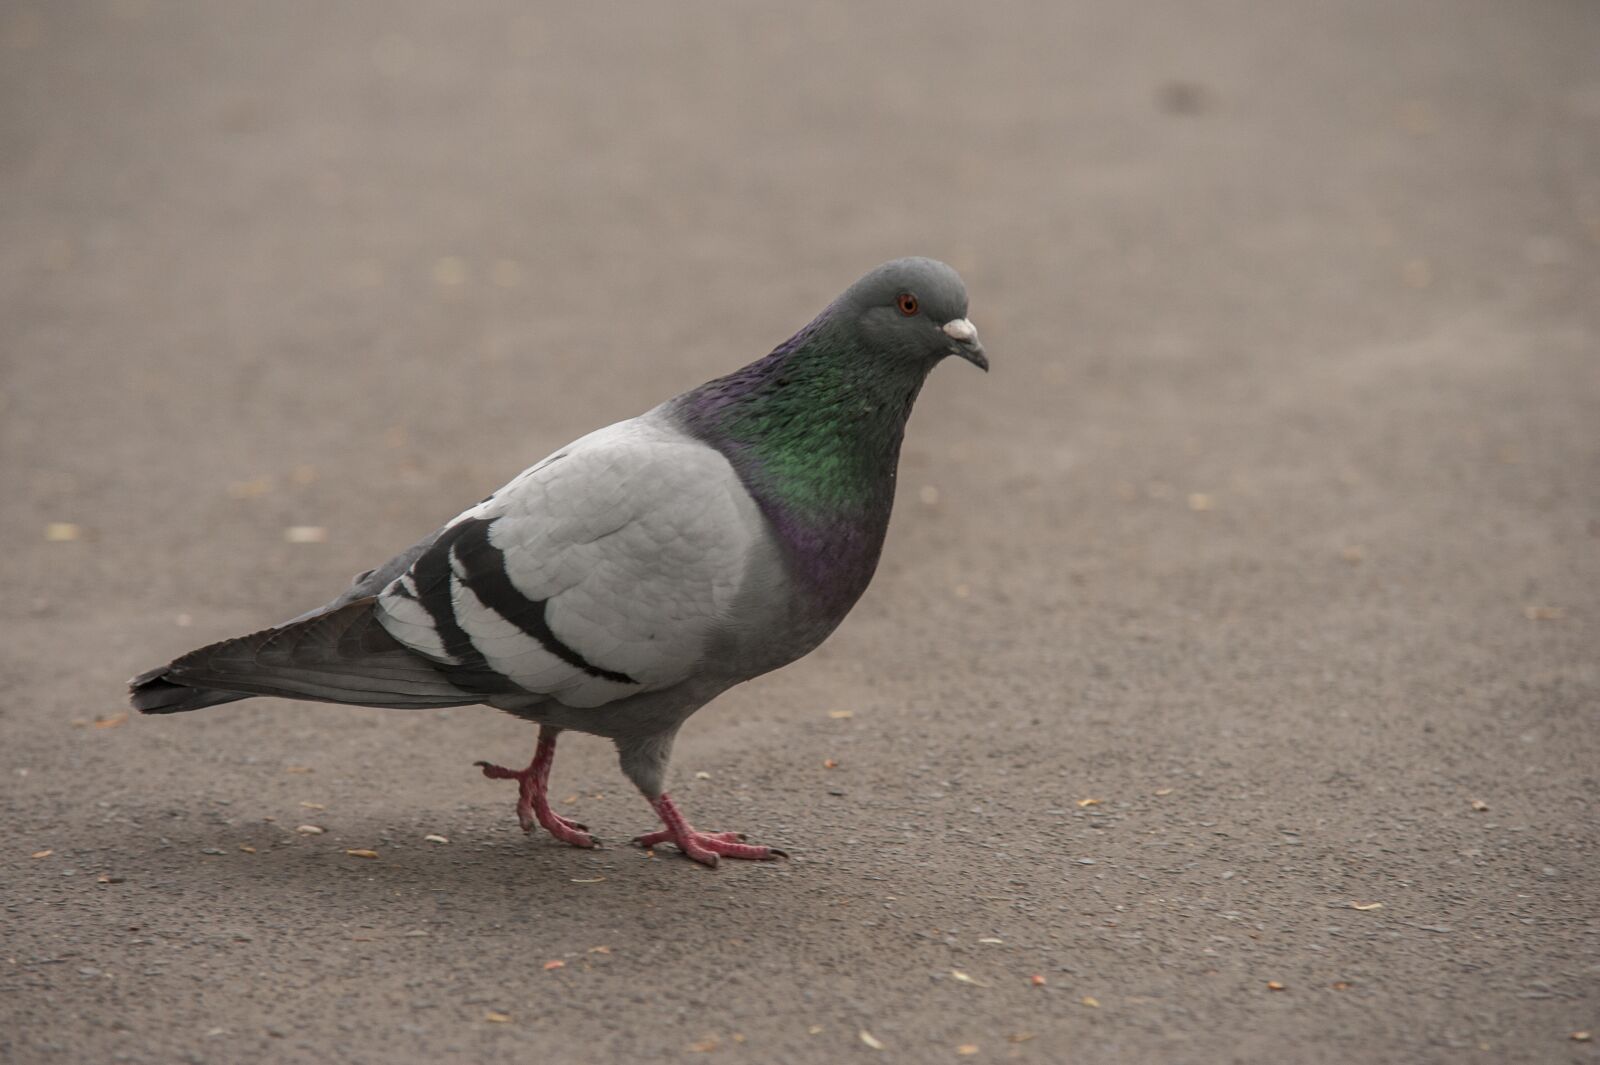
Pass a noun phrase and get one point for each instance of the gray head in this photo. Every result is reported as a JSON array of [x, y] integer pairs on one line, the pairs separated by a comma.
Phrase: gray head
[[913, 309]]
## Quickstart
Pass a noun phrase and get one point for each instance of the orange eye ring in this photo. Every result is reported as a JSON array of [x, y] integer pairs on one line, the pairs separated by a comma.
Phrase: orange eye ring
[[907, 303]]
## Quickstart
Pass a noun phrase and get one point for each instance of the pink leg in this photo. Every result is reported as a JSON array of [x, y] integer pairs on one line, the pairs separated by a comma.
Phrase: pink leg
[[703, 847], [533, 804]]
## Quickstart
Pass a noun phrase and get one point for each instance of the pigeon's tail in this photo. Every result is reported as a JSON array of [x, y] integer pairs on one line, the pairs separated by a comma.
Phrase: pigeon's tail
[[342, 656], [152, 693]]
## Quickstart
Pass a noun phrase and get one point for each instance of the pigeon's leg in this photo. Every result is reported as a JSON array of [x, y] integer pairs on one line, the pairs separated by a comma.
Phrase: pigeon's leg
[[645, 763], [644, 760], [703, 847], [533, 803]]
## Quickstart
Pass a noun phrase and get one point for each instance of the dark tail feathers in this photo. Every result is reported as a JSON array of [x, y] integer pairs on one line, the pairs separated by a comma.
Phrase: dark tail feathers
[[343, 656], [152, 693]]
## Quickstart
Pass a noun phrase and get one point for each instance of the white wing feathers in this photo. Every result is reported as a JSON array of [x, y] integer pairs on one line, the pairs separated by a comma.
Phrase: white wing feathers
[[599, 573]]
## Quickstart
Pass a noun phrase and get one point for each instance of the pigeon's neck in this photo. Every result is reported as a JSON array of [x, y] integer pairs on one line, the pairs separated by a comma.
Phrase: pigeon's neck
[[814, 431]]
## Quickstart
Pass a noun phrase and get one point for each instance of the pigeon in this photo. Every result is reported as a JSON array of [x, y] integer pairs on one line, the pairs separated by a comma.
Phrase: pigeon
[[625, 581]]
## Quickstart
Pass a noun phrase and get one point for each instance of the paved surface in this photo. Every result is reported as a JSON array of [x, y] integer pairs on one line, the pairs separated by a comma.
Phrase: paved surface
[[1240, 630]]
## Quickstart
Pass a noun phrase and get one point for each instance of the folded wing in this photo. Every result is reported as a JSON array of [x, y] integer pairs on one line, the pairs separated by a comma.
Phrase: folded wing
[[602, 572]]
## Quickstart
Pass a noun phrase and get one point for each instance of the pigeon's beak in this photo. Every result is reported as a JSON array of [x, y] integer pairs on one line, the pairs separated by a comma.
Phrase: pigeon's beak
[[965, 334]]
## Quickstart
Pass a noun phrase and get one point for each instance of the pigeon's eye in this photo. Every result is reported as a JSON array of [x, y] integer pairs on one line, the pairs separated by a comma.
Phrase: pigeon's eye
[[907, 303]]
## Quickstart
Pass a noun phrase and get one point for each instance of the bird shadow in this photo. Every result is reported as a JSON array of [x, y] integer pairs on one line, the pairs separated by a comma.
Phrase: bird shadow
[[345, 874]]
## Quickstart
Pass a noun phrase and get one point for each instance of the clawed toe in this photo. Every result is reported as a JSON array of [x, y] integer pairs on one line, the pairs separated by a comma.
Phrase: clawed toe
[[571, 832], [650, 839]]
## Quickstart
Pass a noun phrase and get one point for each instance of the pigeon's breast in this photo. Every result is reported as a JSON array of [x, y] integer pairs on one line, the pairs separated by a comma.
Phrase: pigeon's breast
[[801, 579]]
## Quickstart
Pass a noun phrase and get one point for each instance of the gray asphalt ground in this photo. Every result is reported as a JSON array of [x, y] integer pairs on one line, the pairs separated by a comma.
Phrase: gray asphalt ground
[[1229, 689]]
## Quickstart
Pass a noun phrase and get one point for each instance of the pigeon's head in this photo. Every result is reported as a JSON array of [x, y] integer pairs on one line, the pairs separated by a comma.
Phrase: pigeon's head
[[913, 310]]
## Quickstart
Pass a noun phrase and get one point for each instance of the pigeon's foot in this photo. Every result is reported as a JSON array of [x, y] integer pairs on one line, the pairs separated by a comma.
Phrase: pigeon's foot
[[533, 802], [703, 847]]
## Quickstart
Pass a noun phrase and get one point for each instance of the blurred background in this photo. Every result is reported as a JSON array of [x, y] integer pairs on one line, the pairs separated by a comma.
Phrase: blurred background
[[1274, 530]]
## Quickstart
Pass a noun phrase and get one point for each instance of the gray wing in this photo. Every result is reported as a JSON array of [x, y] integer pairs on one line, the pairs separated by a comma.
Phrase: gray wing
[[603, 572]]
